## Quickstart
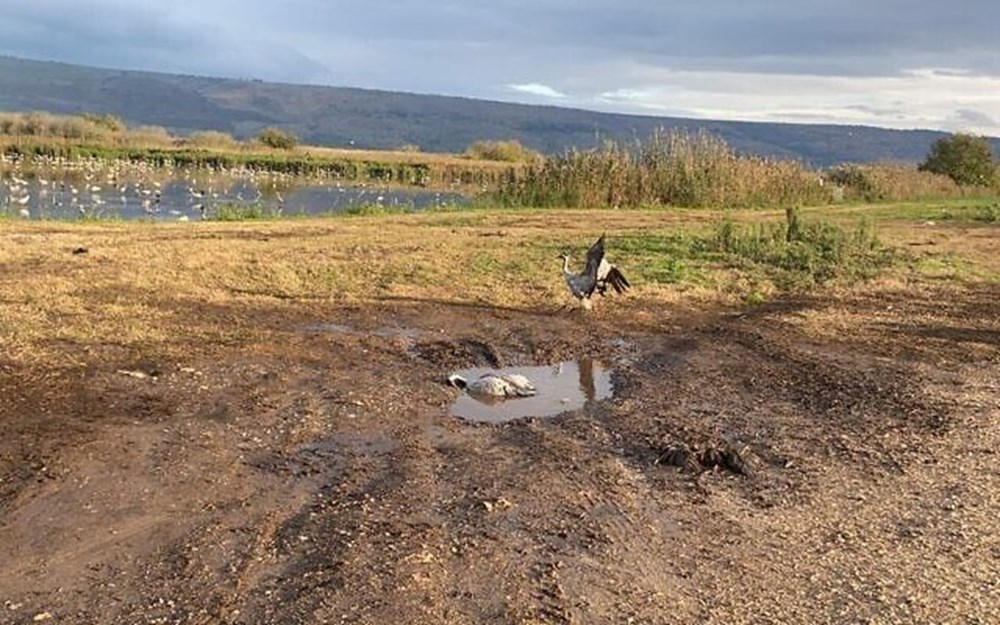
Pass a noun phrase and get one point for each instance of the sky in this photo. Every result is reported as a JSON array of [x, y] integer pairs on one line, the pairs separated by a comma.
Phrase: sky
[[889, 63]]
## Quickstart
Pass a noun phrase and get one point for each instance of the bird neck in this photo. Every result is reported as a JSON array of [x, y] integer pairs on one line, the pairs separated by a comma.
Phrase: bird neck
[[566, 263]]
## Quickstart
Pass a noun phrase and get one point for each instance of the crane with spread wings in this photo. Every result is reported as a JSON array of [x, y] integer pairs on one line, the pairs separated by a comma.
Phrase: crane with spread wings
[[597, 276]]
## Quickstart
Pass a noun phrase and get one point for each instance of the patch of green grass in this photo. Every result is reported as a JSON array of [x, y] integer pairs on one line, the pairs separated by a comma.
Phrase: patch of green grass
[[99, 217], [989, 214], [943, 267], [241, 212], [368, 210], [675, 258], [984, 210], [794, 254]]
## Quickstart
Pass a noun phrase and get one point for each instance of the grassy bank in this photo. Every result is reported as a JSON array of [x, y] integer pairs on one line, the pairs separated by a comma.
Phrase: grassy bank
[[42, 140], [113, 294]]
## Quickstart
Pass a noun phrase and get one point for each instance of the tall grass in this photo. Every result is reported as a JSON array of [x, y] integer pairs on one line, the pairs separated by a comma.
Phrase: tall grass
[[700, 170], [675, 168], [887, 182]]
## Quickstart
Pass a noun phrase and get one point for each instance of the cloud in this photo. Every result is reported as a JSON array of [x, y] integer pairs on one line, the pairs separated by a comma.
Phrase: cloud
[[975, 119], [538, 89], [180, 37], [852, 61], [921, 98]]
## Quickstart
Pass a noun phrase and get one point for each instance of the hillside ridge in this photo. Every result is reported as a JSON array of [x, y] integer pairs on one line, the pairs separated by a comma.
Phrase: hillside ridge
[[368, 118]]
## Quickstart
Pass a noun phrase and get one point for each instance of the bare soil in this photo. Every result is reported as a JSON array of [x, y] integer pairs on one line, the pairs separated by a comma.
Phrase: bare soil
[[819, 459]]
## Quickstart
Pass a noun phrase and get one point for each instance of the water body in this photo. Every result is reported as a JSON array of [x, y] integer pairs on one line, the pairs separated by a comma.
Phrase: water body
[[566, 386], [184, 199]]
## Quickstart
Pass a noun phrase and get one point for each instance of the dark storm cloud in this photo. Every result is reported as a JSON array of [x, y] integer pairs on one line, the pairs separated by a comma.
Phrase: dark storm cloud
[[845, 37], [175, 37], [848, 36]]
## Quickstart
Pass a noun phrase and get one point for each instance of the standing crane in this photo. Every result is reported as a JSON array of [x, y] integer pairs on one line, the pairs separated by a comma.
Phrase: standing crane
[[598, 274]]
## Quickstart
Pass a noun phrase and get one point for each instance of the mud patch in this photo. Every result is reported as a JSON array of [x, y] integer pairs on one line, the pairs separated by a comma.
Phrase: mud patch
[[451, 353], [707, 458], [386, 332]]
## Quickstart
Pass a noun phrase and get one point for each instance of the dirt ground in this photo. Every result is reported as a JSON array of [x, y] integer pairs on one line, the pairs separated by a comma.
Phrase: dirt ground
[[818, 459]]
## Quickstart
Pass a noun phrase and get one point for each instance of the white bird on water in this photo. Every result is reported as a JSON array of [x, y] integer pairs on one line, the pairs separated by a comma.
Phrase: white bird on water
[[496, 385], [597, 275]]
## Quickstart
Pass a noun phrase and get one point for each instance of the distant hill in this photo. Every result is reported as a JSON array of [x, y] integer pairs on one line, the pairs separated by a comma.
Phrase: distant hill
[[341, 116]]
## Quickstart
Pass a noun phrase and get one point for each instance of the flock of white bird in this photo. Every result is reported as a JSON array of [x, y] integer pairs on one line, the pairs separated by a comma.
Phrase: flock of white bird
[[44, 187], [93, 187]]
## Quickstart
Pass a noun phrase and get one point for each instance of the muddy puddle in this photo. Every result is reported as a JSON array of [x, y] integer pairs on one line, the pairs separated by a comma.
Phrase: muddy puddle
[[565, 386]]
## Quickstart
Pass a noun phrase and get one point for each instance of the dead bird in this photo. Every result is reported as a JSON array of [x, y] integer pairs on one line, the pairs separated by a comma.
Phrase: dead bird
[[496, 385]]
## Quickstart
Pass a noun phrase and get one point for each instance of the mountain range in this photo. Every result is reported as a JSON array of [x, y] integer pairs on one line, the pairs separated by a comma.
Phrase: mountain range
[[366, 118]]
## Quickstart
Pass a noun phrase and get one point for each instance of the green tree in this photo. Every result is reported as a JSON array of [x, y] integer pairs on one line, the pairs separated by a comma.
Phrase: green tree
[[966, 159]]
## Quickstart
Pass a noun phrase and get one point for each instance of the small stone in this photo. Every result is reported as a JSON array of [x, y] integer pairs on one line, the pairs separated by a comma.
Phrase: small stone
[[134, 374]]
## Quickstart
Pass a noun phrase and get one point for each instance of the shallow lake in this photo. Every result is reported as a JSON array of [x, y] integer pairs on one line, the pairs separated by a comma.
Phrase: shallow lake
[[38, 197]]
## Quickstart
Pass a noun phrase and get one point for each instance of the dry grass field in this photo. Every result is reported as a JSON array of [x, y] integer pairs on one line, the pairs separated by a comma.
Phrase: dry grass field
[[248, 422]]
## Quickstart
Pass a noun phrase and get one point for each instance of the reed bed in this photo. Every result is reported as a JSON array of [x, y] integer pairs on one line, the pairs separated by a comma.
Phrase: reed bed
[[700, 170], [880, 182], [672, 168]]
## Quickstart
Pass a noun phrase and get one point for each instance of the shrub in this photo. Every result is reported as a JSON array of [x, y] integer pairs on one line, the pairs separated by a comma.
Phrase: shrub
[[797, 253], [509, 151], [211, 139], [107, 121], [276, 138]]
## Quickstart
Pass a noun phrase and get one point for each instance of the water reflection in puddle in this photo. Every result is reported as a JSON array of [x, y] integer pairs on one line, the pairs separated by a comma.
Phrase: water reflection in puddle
[[562, 387]]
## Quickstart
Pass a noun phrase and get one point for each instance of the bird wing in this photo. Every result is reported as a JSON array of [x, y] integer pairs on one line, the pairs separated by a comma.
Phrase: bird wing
[[594, 257], [617, 280]]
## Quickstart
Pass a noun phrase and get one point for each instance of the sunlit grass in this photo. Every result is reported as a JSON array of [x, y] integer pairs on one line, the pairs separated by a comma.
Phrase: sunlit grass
[[140, 285], [685, 169]]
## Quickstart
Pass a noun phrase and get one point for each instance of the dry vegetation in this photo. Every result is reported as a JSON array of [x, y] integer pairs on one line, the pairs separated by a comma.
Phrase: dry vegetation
[[676, 168], [108, 138], [245, 422], [113, 293]]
